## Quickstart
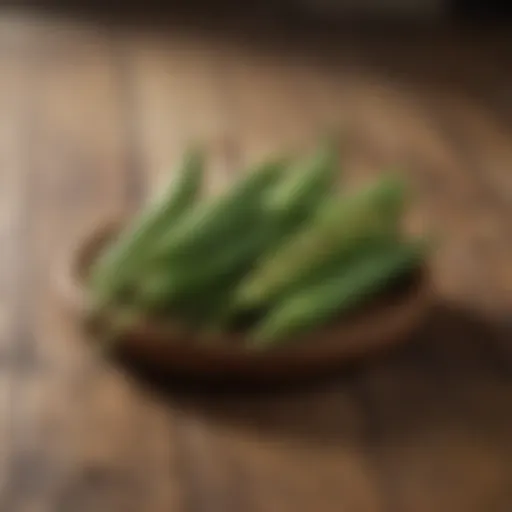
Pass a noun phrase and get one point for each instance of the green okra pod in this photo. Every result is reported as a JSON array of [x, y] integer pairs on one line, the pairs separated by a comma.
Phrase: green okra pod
[[338, 293], [339, 226], [128, 253], [215, 221]]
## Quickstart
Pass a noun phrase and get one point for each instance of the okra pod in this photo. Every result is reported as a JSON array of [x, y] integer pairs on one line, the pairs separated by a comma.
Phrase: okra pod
[[124, 258], [339, 226], [195, 276], [306, 183], [337, 294], [212, 223]]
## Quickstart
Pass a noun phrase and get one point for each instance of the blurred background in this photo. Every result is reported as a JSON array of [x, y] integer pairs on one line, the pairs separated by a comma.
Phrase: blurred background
[[477, 10], [97, 101]]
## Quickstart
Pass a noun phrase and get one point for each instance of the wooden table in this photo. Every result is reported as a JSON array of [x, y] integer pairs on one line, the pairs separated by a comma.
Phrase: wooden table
[[92, 115]]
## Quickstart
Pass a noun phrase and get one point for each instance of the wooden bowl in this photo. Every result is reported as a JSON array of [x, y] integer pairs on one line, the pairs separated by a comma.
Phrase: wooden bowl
[[381, 324]]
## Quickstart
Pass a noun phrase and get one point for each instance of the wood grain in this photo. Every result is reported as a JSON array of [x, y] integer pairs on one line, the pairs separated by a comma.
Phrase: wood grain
[[72, 441], [13, 224]]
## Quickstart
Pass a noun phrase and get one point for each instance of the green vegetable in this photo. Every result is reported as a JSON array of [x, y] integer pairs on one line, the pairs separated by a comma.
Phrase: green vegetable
[[124, 259], [276, 255], [335, 261], [338, 293], [211, 224], [284, 206], [295, 199], [196, 309], [305, 184], [340, 225], [204, 271]]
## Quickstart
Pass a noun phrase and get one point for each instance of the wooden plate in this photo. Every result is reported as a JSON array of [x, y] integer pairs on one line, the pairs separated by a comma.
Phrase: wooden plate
[[382, 324]]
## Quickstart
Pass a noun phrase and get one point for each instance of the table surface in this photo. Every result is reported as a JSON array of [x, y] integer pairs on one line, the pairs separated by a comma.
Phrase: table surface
[[93, 115]]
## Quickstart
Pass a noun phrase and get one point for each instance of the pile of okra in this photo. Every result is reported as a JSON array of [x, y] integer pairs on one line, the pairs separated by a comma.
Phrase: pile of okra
[[282, 251]]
